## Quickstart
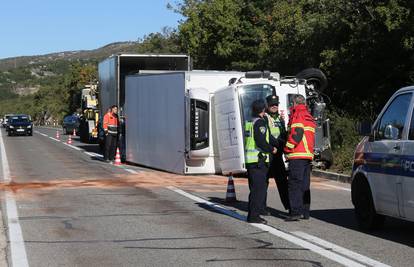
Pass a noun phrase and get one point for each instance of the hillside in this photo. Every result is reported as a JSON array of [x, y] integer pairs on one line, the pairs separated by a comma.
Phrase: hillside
[[20, 76], [95, 54]]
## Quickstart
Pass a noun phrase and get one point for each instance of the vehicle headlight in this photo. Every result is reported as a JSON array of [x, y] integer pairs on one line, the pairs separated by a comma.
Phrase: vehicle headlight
[[29, 126], [11, 126]]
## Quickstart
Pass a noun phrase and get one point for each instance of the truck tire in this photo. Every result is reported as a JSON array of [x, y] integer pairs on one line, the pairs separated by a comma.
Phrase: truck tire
[[315, 77], [365, 212]]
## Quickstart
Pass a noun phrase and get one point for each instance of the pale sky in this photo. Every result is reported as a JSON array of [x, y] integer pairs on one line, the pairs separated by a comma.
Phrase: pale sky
[[35, 27]]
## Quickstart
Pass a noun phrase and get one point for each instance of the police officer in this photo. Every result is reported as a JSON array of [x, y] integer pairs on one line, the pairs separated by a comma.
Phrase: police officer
[[277, 169], [257, 152]]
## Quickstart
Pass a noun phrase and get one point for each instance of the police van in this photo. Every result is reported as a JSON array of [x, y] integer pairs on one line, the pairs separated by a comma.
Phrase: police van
[[383, 168]]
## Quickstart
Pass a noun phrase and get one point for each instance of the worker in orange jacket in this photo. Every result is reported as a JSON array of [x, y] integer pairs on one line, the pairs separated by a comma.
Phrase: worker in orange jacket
[[110, 125], [299, 153]]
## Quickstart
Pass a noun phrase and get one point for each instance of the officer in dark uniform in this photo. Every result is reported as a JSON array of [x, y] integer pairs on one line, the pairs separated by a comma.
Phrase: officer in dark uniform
[[257, 152], [277, 168]]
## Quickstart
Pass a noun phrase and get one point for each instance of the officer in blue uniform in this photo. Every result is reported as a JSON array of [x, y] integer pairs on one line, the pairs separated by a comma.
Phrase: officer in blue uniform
[[258, 150]]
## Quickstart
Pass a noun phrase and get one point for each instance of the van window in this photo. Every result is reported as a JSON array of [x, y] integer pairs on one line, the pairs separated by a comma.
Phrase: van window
[[394, 115]]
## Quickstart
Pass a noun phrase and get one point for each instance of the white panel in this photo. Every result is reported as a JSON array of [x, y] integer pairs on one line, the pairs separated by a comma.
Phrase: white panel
[[229, 130], [155, 121]]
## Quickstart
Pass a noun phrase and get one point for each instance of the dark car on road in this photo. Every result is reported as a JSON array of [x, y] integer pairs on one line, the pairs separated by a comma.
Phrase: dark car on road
[[71, 123], [19, 125]]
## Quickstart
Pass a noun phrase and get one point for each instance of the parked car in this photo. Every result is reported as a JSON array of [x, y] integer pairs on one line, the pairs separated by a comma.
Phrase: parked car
[[70, 123], [20, 125], [383, 168]]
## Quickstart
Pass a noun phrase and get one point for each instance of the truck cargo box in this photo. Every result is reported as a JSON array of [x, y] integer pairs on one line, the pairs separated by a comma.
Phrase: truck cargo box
[[169, 123]]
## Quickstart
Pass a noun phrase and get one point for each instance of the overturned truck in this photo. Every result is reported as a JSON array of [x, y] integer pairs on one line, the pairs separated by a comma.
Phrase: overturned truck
[[192, 121]]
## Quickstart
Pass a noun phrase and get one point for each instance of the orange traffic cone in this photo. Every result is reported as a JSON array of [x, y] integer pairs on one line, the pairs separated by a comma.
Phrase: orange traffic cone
[[74, 132], [117, 157], [57, 135], [70, 140], [231, 192]]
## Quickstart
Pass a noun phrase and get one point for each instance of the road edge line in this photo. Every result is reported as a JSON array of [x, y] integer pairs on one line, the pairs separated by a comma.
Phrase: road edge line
[[341, 250], [17, 247]]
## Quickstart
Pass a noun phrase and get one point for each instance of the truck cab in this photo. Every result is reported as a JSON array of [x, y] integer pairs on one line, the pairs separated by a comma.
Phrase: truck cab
[[383, 168], [233, 111]]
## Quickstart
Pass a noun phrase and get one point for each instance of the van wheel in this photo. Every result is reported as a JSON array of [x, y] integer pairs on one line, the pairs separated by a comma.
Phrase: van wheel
[[314, 77], [365, 213]]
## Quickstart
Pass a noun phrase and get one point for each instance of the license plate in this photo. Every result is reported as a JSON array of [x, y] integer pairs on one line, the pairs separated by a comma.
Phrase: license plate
[[20, 130]]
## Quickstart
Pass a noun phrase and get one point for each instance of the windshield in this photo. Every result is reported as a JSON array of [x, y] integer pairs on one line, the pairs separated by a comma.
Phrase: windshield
[[250, 93], [19, 119]]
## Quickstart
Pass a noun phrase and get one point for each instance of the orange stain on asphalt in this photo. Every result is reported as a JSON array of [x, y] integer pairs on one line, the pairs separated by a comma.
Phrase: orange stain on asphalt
[[142, 179]]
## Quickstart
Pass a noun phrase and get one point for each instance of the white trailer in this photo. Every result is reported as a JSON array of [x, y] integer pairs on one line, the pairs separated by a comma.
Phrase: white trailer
[[193, 122]]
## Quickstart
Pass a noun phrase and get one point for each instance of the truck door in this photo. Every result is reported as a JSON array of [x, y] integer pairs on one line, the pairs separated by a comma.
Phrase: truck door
[[229, 130], [384, 159]]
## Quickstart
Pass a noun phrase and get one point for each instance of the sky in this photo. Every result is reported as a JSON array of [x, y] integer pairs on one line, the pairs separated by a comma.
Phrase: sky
[[36, 27]]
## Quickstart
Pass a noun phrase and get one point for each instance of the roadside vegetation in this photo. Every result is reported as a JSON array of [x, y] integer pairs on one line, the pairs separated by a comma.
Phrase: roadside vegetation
[[364, 47]]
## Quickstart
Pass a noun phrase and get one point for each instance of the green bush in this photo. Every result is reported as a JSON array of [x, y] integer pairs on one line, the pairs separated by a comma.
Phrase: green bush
[[344, 138]]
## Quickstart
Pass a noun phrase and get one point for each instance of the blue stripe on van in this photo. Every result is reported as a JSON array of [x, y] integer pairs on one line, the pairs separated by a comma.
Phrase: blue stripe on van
[[391, 164]]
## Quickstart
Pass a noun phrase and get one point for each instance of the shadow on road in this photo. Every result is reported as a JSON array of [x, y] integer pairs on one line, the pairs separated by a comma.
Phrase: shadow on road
[[395, 230]]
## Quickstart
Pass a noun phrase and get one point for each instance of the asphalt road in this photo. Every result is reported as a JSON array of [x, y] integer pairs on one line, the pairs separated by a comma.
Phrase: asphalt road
[[63, 206]]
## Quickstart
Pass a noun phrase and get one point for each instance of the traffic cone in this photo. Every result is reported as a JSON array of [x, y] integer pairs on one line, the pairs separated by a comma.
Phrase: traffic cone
[[117, 157], [70, 140], [231, 192], [57, 135], [74, 132]]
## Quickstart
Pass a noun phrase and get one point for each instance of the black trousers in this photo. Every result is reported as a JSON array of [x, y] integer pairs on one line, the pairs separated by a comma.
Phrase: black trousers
[[277, 170], [299, 186], [257, 185], [111, 141]]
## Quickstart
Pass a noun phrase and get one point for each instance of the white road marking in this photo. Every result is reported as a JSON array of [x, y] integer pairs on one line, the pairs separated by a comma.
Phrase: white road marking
[[57, 140], [92, 154], [343, 251], [337, 187], [17, 248], [74, 147], [208, 203], [41, 133], [131, 171], [323, 251]]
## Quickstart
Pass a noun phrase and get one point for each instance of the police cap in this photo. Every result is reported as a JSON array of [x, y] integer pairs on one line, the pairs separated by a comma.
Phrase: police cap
[[272, 100]]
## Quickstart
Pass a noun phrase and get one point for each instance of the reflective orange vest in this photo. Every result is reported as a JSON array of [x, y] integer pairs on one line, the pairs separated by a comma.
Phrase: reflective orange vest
[[110, 123], [301, 140]]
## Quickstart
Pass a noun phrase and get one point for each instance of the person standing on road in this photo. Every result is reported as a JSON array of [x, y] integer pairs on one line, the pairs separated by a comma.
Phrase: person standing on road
[[299, 152], [257, 153], [277, 169], [110, 125]]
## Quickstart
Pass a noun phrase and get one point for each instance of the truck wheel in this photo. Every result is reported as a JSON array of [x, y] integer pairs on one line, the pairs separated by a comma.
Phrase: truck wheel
[[365, 213], [315, 77]]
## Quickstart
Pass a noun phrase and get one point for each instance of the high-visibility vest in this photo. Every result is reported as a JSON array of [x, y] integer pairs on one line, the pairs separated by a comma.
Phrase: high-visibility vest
[[251, 151], [274, 125], [304, 149], [110, 123]]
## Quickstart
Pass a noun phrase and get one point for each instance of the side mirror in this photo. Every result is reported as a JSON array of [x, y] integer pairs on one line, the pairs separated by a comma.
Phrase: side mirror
[[391, 132], [364, 128]]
